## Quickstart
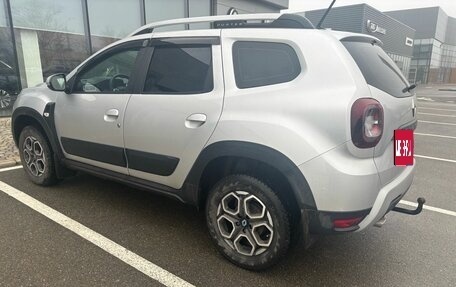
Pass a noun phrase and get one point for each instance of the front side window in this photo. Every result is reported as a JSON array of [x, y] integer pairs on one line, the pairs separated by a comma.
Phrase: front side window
[[110, 74], [180, 69], [264, 63]]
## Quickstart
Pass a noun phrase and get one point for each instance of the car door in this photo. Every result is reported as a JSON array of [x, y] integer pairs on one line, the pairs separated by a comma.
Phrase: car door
[[89, 120], [170, 121]]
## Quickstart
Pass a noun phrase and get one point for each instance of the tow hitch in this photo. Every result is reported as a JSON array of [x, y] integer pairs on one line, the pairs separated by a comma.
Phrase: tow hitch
[[418, 209]]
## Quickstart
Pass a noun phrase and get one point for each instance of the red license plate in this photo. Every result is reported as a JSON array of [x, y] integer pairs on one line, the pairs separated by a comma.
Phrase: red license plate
[[403, 147]]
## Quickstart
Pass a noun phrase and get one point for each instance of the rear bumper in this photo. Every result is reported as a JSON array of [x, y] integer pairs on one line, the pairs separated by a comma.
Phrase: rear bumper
[[388, 197], [347, 187]]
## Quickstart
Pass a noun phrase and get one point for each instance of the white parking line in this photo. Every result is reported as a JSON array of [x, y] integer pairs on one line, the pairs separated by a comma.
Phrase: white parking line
[[435, 104], [448, 110], [437, 115], [134, 260], [424, 99], [433, 135], [435, 158], [10, 168], [436, 209], [437, 123]]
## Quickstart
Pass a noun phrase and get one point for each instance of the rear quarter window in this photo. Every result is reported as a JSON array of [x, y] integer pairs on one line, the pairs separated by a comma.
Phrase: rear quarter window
[[264, 63], [377, 68]]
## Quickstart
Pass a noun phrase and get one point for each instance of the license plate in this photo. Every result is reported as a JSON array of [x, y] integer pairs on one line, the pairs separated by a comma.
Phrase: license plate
[[403, 147]]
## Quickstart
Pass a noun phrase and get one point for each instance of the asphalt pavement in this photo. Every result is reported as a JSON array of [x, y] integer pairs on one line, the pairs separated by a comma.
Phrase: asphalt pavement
[[406, 251]]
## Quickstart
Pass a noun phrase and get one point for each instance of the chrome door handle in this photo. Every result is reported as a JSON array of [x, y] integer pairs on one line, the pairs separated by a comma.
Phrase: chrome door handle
[[195, 120], [111, 115]]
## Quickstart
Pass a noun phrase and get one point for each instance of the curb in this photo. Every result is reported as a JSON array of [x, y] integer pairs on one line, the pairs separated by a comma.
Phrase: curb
[[9, 163]]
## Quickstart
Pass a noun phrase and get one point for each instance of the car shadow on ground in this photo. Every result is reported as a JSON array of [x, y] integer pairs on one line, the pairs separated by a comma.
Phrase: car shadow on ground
[[174, 236]]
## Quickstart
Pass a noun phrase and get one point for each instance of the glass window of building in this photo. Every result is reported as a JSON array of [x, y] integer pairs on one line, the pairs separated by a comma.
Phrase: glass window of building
[[2, 15], [157, 10], [49, 38], [198, 8], [9, 78], [111, 20]]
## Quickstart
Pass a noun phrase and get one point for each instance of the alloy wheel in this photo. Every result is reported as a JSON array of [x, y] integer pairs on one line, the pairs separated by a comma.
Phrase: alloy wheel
[[245, 223], [34, 156], [5, 99]]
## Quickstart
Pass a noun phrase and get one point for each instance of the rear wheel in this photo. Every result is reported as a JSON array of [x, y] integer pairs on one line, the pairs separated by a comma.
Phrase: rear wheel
[[36, 156], [248, 222]]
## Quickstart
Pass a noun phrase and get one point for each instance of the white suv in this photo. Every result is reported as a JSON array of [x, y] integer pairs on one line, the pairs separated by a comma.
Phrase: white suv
[[279, 130]]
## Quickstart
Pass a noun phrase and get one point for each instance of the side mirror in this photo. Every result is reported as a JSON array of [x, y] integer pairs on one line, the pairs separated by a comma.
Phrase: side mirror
[[56, 82]]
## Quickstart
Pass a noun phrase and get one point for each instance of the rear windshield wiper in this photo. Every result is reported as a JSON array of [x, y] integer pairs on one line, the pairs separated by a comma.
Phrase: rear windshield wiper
[[409, 88]]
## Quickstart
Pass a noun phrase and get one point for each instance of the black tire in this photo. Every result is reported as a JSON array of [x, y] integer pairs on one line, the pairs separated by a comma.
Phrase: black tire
[[229, 189], [38, 160]]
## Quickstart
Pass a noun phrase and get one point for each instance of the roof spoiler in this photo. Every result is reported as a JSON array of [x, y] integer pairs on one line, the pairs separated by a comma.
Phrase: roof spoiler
[[362, 38]]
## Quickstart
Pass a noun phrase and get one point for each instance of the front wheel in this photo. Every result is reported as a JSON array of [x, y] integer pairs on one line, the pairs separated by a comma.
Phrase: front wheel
[[248, 222], [36, 156]]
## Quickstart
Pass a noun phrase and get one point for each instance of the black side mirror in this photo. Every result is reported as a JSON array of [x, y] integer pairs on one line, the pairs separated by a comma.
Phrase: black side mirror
[[57, 82]]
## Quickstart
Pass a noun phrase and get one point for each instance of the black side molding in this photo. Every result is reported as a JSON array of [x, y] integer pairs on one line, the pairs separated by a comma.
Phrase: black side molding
[[138, 160], [95, 151], [151, 162]]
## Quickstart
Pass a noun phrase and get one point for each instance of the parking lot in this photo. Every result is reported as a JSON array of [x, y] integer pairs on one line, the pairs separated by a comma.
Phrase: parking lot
[[90, 232]]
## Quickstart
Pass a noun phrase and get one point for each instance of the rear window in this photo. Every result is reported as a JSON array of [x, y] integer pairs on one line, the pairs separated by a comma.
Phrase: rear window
[[264, 63], [378, 68]]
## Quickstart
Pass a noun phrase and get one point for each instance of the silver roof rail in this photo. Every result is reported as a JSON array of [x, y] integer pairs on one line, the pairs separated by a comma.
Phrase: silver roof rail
[[148, 28]]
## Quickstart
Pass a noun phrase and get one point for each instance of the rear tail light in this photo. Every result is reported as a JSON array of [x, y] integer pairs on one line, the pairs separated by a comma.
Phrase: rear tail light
[[366, 122]]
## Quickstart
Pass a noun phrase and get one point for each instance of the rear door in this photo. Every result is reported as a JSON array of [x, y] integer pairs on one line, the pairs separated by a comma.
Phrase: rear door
[[386, 84], [168, 124]]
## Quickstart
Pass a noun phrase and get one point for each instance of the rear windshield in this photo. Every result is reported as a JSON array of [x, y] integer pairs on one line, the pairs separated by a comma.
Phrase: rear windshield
[[378, 68]]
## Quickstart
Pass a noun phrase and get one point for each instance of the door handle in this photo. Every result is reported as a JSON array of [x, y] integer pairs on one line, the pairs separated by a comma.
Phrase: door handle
[[195, 120], [111, 115]]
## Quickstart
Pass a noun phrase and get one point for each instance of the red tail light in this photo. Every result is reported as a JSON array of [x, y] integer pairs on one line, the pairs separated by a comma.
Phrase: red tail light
[[366, 122], [347, 222]]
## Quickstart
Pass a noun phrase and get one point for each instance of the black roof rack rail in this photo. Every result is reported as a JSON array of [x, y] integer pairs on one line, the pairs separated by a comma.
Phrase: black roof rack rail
[[268, 20]]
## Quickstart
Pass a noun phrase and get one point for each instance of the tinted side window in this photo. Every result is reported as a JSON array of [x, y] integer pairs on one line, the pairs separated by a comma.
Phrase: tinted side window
[[180, 69], [377, 67], [264, 63], [110, 74]]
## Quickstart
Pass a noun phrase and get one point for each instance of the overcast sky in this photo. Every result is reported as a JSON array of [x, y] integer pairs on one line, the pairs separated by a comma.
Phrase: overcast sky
[[449, 6]]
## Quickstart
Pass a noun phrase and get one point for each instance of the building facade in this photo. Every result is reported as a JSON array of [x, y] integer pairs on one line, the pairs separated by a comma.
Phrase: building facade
[[39, 38], [396, 36], [434, 52]]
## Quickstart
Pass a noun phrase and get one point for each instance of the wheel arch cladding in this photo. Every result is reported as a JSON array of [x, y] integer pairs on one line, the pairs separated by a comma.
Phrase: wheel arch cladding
[[231, 153], [24, 116]]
